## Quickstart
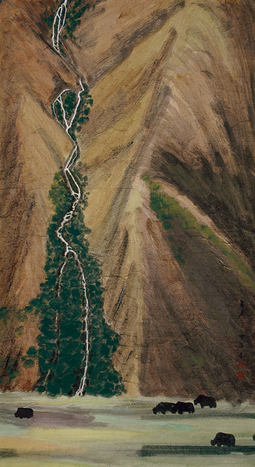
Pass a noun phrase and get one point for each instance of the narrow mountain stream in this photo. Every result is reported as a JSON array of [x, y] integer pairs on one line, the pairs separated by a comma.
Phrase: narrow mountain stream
[[73, 185]]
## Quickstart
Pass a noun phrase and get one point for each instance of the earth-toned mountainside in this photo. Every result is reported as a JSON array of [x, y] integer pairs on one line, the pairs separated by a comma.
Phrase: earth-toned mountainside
[[32, 149], [169, 156]]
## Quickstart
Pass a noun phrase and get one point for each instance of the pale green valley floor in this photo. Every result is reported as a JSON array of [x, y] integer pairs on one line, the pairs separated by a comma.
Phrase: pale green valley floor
[[111, 432]]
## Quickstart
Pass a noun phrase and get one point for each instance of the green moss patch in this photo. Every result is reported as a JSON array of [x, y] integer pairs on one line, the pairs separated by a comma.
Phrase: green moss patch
[[170, 213]]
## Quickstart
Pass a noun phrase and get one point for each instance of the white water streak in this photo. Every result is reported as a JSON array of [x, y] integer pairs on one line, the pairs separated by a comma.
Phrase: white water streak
[[58, 24]]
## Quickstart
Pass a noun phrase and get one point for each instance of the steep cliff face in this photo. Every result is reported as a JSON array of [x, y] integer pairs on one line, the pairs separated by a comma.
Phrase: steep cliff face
[[32, 149], [172, 85], [173, 89]]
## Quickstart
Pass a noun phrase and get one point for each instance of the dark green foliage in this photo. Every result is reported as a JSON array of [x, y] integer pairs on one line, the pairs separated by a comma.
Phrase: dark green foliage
[[9, 317], [76, 9], [48, 17], [32, 352], [62, 346], [103, 379], [29, 362], [69, 100], [30, 358], [83, 110], [49, 13], [10, 369], [13, 368], [61, 340], [3, 314], [56, 110]]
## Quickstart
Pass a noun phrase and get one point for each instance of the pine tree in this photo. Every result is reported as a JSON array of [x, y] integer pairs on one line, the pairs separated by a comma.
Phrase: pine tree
[[61, 340]]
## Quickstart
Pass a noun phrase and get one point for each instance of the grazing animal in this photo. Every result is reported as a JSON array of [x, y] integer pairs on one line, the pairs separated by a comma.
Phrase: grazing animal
[[164, 407], [205, 401], [223, 439], [24, 413], [184, 407]]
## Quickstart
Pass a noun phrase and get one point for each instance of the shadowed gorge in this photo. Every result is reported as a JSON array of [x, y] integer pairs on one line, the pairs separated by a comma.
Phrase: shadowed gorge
[[168, 152]]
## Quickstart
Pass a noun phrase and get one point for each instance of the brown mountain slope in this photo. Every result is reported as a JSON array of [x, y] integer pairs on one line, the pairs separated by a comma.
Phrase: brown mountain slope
[[32, 149], [172, 83], [167, 94]]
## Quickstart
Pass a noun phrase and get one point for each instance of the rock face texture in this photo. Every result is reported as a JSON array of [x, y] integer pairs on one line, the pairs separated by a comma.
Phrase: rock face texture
[[173, 89], [32, 149]]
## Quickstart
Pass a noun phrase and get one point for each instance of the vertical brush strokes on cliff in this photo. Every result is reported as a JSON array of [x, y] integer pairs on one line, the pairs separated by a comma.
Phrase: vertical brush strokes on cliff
[[173, 89]]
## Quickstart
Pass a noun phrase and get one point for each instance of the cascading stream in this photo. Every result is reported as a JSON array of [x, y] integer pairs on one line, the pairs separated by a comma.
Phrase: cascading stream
[[74, 188]]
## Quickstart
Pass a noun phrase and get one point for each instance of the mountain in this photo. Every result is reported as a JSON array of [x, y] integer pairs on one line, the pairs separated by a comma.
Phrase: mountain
[[32, 149], [168, 152]]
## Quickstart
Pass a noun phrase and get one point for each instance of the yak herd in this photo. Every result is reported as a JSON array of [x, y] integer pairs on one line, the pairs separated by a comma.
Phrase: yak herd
[[220, 439]]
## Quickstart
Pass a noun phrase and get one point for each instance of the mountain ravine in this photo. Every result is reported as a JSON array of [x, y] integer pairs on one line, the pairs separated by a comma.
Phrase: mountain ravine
[[168, 152]]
